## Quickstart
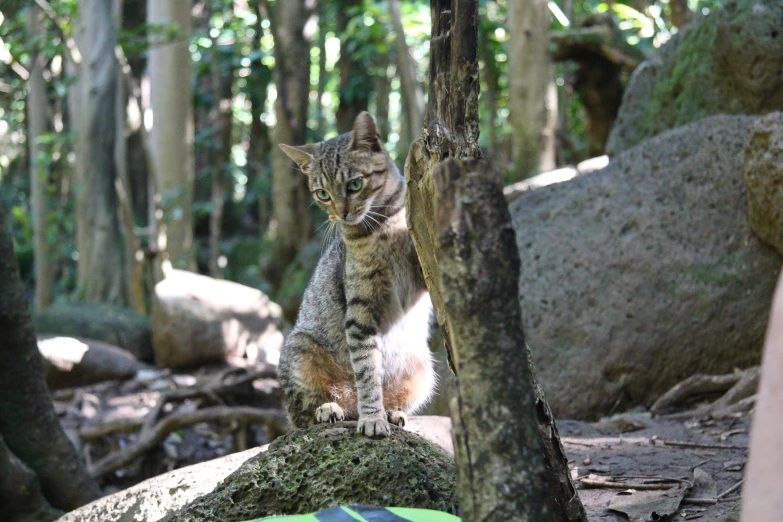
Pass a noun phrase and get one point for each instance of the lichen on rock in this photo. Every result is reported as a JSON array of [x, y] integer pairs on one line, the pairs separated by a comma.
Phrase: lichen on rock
[[326, 465], [729, 62]]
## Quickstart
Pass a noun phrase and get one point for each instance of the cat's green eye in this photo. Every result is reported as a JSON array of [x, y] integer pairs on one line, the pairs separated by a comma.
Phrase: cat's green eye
[[322, 195], [355, 185]]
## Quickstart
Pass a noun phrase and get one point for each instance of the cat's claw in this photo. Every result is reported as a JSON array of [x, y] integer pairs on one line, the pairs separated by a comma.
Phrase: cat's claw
[[397, 417], [373, 427], [330, 412]]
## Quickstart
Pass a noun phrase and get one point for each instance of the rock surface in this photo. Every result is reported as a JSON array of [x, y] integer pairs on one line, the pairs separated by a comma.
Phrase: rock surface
[[647, 264], [110, 324], [153, 499], [74, 361], [762, 168], [159, 496], [197, 319], [729, 62], [328, 465]]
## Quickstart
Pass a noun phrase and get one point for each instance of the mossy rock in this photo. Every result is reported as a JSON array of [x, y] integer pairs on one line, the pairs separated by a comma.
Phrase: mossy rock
[[327, 465], [728, 62], [110, 324]]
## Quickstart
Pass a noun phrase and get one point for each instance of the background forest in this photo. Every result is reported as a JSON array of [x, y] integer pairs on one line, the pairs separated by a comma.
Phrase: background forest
[[604, 252], [170, 115]]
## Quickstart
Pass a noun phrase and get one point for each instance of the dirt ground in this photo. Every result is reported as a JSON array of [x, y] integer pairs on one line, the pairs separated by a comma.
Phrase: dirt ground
[[640, 449], [656, 458]]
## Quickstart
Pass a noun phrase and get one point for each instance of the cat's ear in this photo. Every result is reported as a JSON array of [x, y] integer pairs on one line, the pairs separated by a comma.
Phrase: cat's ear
[[365, 134], [302, 155]]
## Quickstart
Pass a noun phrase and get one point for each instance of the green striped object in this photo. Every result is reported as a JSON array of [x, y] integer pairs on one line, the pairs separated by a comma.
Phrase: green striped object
[[368, 514]]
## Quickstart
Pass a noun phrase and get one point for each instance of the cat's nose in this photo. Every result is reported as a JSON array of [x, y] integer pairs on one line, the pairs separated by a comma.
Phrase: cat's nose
[[345, 214]]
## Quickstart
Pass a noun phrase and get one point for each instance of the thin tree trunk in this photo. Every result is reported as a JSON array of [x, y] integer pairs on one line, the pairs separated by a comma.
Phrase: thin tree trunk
[[355, 82], [410, 85], [529, 75], [28, 422], [172, 129], [104, 254], [76, 119], [37, 125], [510, 464], [220, 120], [259, 143], [322, 73], [492, 80], [382, 92], [292, 79]]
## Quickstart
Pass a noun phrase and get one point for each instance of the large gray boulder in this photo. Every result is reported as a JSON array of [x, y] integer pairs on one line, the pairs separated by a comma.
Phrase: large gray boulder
[[729, 62], [645, 272], [197, 319], [762, 168]]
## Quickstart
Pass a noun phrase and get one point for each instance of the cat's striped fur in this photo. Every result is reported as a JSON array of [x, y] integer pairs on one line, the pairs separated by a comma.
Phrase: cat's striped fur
[[359, 348]]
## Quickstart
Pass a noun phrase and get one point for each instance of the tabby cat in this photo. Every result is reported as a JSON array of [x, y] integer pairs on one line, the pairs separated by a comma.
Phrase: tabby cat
[[359, 348]]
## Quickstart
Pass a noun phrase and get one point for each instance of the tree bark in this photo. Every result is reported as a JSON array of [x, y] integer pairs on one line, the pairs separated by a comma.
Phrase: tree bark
[[28, 422], [102, 252], [172, 130], [37, 126], [355, 82], [510, 463], [382, 92], [529, 76], [289, 187], [410, 85], [322, 73], [259, 142], [220, 118], [492, 80]]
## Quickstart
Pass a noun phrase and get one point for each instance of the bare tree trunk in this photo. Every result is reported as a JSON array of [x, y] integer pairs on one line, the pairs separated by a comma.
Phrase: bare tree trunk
[[37, 125], [292, 78], [510, 464], [103, 254], [260, 144], [355, 82], [172, 129], [28, 423], [76, 119], [322, 73], [410, 85], [492, 80], [220, 120], [382, 92], [529, 75]]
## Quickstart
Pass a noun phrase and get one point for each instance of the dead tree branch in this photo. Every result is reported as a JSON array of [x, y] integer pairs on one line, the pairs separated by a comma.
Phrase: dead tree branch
[[273, 420]]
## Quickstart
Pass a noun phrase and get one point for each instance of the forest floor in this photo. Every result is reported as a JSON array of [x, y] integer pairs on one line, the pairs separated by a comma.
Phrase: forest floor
[[648, 467], [635, 452]]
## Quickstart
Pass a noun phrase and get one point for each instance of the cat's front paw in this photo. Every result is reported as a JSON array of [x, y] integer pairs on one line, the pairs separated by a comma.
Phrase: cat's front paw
[[373, 426], [397, 417], [329, 412]]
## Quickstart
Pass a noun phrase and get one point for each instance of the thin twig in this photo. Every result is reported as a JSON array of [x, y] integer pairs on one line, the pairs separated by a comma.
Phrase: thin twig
[[592, 483], [682, 444], [732, 489]]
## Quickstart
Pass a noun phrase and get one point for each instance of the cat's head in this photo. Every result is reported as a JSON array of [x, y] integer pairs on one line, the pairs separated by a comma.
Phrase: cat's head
[[348, 175]]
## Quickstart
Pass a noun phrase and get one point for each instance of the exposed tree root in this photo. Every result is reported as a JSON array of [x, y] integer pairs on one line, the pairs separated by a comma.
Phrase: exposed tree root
[[736, 394], [21, 499], [273, 420]]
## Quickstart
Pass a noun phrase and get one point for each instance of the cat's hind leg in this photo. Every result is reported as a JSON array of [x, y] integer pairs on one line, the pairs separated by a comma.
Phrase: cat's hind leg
[[317, 387]]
